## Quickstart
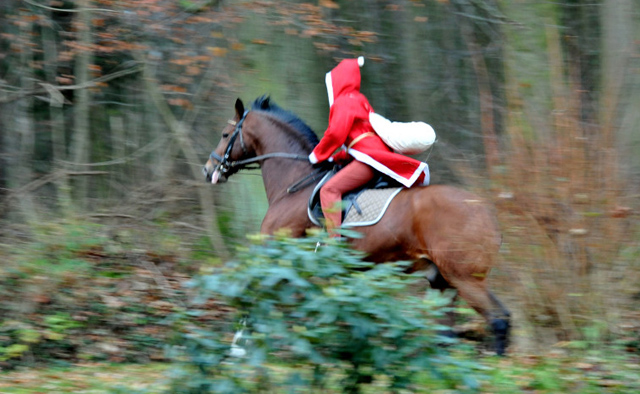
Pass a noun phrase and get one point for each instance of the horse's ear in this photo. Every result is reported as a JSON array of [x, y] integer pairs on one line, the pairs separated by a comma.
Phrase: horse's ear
[[239, 108], [265, 102]]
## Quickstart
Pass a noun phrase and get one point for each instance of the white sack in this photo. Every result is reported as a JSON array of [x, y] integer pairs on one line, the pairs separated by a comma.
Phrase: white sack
[[407, 138]]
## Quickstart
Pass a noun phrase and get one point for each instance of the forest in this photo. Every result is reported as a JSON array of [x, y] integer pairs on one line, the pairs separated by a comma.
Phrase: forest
[[120, 264]]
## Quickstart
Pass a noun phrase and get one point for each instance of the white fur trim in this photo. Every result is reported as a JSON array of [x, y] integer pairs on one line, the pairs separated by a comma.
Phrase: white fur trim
[[427, 176], [385, 170], [361, 61], [312, 158], [327, 81]]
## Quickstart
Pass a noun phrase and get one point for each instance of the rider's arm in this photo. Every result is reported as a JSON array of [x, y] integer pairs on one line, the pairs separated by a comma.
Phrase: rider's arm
[[341, 119]]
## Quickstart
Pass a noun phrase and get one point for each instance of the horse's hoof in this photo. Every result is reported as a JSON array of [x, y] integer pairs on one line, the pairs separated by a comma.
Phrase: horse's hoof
[[501, 328]]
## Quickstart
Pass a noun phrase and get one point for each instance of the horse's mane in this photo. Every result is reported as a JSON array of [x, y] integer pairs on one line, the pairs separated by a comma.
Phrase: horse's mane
[[265, 104]]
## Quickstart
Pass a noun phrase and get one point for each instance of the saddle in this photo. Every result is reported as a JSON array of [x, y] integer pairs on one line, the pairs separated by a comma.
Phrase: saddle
[[360, 207]]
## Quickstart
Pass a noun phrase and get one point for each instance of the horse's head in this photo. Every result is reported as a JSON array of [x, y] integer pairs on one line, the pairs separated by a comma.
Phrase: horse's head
[[231, 148], [268, 129]]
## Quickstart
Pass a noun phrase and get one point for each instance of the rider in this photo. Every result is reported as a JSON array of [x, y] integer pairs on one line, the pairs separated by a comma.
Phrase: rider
[[349, 128]]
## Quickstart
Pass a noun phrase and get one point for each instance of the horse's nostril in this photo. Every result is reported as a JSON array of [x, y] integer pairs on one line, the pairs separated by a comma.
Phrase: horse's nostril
[[207, 174]]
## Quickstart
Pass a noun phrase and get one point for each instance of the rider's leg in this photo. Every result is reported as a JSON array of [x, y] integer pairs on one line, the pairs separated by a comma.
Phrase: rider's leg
[[352, 176]]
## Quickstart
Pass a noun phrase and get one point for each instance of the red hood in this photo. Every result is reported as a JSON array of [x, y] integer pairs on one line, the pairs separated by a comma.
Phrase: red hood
[[344, 78]]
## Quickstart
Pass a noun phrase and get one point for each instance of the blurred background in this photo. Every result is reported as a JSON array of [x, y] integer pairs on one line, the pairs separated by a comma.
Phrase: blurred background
[[109, 109]]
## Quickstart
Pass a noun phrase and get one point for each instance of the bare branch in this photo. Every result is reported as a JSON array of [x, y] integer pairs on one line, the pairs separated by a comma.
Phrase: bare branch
[[47, 88], [150, 147], [112, 215], [38, 183], [70, 9]]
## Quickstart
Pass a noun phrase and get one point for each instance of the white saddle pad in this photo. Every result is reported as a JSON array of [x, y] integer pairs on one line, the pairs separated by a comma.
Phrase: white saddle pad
[[369, 207]]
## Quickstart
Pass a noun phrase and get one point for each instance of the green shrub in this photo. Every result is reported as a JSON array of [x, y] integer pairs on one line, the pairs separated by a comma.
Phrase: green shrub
[[314, 318]]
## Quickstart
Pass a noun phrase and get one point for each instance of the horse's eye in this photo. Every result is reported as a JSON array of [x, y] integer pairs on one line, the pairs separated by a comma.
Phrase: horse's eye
[[225, 135]]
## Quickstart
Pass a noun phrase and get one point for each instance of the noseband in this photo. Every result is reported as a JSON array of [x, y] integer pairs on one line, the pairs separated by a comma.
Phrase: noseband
[[227, 167]]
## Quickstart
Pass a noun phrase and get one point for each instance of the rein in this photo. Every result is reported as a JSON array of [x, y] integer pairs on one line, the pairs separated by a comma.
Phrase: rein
[[307, 180], [243, 163]]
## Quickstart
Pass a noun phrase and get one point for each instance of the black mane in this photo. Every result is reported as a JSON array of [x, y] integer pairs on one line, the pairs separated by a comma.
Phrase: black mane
[[265, 104]]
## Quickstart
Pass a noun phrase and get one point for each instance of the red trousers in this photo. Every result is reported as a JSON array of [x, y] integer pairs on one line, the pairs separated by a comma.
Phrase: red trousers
[[352, 176]]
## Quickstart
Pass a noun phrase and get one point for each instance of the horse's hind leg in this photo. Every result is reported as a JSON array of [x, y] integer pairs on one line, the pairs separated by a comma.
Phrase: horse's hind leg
[[473, 289], [435, 278], [500, 324], [438, 282], [475, 292]]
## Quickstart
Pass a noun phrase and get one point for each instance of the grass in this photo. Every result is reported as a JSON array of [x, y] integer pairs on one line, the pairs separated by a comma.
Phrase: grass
[[612, 371], [557, 373], [85, 378]]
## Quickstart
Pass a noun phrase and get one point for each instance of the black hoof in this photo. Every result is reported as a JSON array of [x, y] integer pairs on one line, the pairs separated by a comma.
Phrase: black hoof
[[501, 328]]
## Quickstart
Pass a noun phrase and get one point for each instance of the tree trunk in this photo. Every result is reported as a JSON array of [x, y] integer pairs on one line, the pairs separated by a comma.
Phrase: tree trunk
[[24, 126], [179, 131], [485, 99], [619, 116], [56, 103], [81, 138]]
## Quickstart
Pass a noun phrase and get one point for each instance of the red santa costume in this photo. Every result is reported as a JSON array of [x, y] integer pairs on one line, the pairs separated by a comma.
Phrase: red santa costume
[[349, 126]]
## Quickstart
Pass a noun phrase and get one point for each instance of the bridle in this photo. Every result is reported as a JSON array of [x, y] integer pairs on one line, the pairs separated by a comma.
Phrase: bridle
[[225, 166], [228, 167]]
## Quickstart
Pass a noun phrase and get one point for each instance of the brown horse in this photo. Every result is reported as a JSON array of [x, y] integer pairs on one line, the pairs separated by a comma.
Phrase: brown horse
[[434, 225]]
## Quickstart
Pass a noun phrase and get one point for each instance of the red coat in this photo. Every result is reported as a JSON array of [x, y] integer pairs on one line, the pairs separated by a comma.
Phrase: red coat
[[349, 119]]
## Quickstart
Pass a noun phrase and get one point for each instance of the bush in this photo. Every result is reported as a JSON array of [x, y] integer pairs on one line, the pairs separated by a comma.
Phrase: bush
[[313, 318]]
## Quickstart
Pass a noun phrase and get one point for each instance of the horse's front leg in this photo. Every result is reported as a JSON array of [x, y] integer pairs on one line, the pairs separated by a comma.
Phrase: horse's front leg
[[295, 223]]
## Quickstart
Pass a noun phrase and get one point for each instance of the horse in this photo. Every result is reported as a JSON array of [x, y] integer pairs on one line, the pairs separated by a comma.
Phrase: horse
[[450, 230]]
